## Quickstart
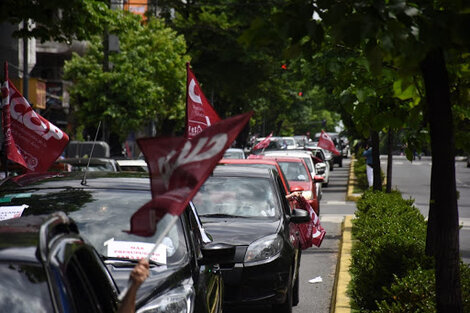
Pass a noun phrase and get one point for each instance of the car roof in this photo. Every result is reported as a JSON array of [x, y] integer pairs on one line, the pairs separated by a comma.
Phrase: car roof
[[285, 158], [122, 180], [249, 161], [241, 171]]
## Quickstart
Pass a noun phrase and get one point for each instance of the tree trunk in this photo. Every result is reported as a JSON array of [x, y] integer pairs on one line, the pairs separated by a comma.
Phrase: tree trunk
[[374, 136], [389, 160], [443, 232]]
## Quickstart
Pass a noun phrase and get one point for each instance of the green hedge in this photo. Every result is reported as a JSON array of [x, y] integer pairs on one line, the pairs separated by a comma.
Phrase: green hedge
[[390, 239], [389, 270]]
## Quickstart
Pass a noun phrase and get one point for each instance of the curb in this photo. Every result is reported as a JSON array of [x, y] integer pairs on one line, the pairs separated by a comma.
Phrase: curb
[[340, 299], [350, 196]]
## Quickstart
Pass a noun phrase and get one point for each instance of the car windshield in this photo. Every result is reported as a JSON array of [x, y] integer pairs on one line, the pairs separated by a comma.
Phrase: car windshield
[[237, 197], [294, 171], [234, 155], [102, 215], [24, 288]]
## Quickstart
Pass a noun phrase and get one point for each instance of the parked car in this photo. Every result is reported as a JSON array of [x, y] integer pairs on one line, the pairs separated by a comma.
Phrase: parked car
[[183, 273], [273, 164], [261, 163], [88, 164], [321, 163], [247, 207], [137, 165], [234, 153], [298, 176], [46, 266], [307, 156]]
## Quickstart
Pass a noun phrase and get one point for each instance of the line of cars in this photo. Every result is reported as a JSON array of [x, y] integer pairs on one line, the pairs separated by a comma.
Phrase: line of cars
[[238, 243], [200, 264]]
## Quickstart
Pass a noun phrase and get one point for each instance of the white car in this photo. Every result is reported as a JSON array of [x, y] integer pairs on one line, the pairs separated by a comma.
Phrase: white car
[[323, 167], [234, 153], [307, 156]]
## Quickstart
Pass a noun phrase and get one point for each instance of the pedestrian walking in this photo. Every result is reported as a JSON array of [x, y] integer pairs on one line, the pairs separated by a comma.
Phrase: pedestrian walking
[[367, 154]]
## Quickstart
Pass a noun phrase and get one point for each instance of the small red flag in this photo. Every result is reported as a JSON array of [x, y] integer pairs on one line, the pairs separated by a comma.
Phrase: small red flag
[[327, 143], [30, 139], [311, 233], [263, 143], [199, 112], [178, 167]]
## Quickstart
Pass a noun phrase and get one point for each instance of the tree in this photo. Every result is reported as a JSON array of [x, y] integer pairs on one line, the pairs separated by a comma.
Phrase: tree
[[146, 83], [56, 19]]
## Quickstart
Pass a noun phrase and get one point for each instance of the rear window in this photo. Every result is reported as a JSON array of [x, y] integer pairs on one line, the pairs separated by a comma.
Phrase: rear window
[[237, 197], [23, 288], [294, 171]]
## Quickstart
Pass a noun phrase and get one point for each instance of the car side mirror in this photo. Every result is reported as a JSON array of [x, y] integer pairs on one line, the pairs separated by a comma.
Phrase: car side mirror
[[299, 216], [217, 253]]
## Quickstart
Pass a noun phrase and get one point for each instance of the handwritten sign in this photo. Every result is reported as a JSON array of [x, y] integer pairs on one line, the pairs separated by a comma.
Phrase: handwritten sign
[[8, 212], [135, 250]]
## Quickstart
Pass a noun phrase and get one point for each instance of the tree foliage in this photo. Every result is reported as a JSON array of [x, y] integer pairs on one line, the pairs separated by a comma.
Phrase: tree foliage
[[56, 19], [146, 81]]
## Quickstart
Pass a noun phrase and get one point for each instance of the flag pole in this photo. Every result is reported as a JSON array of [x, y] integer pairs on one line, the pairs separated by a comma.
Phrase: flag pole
[[166, 230]]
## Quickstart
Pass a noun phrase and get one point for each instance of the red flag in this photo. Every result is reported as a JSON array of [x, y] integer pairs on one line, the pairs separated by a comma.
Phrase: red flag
[[178, 167], [199, 112], [30, 139], [311, 233], [327, 143], [263, 143]]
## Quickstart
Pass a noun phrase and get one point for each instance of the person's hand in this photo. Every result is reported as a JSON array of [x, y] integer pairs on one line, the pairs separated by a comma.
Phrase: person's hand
[[294, 195], [140, 272]]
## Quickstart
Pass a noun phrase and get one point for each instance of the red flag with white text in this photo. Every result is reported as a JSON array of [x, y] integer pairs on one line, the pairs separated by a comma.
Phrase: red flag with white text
[[178, 167], [311, 233], [263, 143], [327, 143], [199, 112], [30, 139]]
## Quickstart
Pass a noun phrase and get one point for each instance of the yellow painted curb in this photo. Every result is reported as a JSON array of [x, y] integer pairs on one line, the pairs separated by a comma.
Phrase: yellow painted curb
[[340, 299], [350, 196]]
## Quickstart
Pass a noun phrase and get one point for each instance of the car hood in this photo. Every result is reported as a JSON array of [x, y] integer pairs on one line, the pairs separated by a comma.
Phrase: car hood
[[239, 232]]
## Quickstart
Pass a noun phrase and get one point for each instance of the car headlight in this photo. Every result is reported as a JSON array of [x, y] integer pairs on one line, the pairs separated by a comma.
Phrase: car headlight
[[263, 249], [178, 300], [307, 195]]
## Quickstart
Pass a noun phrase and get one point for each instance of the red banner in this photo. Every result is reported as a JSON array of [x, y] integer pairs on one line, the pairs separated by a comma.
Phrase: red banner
[[263, 143], [178, 167], [31, 140], [199, 112], [327, 143], [311, 233]]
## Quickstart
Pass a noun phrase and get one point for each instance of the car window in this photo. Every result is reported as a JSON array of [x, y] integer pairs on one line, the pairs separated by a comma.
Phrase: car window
[[102, 215], [24, 288], [308, 161], [237, 196], [295, 171]]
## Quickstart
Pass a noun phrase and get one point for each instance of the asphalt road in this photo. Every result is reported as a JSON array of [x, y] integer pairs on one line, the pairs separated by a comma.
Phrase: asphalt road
[[413, 180]]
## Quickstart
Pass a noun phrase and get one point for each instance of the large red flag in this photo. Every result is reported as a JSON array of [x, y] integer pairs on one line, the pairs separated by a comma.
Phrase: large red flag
[[327, 143], [30, 139], [178, 167], [263, 143], [199, 112]]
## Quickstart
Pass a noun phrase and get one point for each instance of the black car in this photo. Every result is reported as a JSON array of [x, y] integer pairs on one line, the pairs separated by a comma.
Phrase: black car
[[246, 207], [45, 266], [183, 271]]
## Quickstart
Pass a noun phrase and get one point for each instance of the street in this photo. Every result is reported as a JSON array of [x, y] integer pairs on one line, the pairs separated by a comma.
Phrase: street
[[413, 179]]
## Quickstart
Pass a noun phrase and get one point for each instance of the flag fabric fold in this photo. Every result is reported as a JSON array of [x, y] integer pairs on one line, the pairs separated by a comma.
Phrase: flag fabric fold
[[312, 233], [30, 140], [263, 143], [327, 143], [199, 112], [178, 167]]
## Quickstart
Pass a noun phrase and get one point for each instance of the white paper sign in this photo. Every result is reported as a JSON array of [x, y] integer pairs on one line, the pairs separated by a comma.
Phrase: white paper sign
[[135, 250], [8, 212]]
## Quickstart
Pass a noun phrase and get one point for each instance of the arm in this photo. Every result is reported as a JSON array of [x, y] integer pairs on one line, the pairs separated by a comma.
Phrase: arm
[[137, 277]]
